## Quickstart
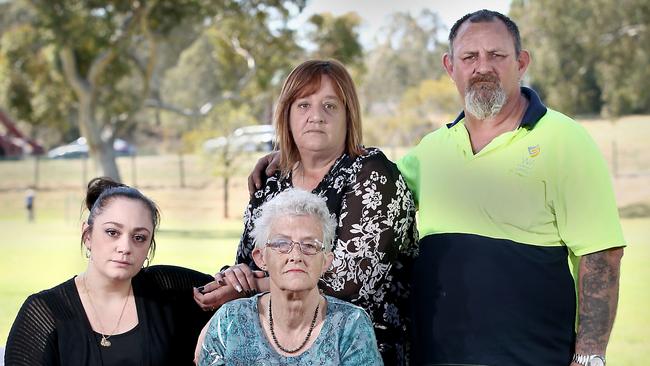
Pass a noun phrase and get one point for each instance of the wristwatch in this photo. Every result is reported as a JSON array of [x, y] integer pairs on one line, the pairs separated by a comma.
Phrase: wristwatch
[[589, 360]]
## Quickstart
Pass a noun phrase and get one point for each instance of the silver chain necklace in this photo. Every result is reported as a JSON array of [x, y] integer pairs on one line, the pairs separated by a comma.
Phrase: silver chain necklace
[[311, 328]]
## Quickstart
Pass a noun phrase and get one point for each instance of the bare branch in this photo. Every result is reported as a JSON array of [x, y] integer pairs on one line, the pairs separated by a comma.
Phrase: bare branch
[[146, 69], [188, 112], [101, 62], [153, 49], [69, 62], [206, 107], [250, 62], [633, 30]]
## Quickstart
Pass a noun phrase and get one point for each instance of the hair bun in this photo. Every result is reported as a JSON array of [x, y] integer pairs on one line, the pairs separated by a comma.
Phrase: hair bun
[[95, 188]]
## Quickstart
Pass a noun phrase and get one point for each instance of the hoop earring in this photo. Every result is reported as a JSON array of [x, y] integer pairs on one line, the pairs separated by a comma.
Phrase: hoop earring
[[146, 263]]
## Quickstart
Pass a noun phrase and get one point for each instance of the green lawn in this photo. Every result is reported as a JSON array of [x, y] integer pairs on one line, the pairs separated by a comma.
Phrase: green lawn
[[41, 255], [630, 342]]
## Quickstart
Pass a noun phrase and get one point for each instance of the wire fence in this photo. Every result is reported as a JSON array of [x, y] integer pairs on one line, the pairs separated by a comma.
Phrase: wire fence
[[624, 146], [155, 171]]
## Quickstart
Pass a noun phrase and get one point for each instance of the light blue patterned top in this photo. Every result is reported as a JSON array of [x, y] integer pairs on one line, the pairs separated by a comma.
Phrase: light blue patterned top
[[235, 337]]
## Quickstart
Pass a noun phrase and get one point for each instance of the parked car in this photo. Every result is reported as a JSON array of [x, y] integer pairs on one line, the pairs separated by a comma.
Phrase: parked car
[[244, 139], [79, 149]]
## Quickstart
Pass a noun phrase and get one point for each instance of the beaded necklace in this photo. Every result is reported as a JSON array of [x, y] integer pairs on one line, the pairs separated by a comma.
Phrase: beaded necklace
[[275, 339]]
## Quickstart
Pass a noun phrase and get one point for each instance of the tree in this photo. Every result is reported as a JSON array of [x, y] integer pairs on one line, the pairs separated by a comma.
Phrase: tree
[[29, 88], [405, 82], [225, 161], [589, 57], [226, 78], [95, 47], [337, 37], [234, 59], [107, 53], [421, 109], [408, 52]]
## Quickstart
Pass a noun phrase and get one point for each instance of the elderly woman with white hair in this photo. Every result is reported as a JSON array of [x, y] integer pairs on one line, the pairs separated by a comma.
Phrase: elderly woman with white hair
[[293, 323]]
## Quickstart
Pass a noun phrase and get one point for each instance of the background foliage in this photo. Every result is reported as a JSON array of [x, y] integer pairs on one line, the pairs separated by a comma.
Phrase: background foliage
[[179, 67], [589, 56]]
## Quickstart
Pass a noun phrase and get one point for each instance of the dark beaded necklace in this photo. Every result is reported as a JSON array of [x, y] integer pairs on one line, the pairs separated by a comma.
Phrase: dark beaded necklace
[[311, 328]]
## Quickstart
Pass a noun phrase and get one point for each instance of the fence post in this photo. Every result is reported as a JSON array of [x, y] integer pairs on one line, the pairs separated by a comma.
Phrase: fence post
[[37, 159], [84, 168], [181, 167], [614, 157], [134, 180]]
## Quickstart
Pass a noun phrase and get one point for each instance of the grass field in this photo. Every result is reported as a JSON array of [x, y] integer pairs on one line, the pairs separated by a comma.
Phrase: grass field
[[194, 234], [40, 255]]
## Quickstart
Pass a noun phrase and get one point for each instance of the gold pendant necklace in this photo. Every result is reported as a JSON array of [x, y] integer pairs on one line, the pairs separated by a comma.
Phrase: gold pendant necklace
[[104, 342]]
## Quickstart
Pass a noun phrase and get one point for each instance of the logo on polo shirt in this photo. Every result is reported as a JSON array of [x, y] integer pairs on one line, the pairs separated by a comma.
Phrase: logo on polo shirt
[[527, 162]]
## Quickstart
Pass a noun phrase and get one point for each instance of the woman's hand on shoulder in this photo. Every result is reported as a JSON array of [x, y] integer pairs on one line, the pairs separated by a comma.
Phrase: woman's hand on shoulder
[[212, 295], [240, 276], [265, 167], [232, 283]]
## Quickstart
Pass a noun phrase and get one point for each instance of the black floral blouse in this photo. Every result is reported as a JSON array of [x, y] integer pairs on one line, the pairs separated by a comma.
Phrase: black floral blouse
[[376, 241]]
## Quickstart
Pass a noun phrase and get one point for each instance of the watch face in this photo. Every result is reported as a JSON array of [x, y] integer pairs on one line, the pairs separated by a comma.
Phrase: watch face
[[596, 361]]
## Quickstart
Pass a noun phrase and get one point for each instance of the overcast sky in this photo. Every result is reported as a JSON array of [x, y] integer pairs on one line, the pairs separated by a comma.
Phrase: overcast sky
[[375, 13]]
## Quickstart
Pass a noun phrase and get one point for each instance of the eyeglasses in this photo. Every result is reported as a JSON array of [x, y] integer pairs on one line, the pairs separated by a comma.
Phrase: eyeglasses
[[285, 246]]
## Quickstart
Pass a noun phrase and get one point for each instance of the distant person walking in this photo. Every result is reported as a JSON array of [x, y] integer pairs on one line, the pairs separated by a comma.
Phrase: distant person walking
[[29, 204]]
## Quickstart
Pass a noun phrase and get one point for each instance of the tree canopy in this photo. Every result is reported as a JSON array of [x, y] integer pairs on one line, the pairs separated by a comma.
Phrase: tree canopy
[[179, 70], [104, 56], [589, 57]]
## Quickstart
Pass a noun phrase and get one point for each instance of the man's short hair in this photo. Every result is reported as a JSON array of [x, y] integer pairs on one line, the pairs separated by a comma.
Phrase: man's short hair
[[482, 16]]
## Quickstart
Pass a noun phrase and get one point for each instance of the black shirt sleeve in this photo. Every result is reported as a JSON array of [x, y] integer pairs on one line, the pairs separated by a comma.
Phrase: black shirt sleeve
[[32, 340]]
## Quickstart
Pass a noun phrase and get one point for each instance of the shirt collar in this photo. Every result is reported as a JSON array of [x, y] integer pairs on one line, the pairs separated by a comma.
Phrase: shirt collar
[[535, 111]]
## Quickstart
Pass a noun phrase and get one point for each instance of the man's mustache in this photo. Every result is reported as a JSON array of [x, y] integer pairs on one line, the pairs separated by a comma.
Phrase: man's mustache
[[484, 78]]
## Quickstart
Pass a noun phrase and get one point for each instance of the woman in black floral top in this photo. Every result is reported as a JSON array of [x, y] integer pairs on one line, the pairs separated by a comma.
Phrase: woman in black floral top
[[319, 131]]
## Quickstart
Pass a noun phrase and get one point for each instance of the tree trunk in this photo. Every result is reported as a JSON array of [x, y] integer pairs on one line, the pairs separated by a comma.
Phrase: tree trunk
[[85, 89], [100, 151], [226, 184]]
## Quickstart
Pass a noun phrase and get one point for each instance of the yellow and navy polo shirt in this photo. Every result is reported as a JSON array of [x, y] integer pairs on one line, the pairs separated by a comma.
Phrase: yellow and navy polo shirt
[[500, 236]]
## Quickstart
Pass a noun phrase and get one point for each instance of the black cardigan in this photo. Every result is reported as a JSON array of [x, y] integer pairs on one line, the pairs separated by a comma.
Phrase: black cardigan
[[51, 327]]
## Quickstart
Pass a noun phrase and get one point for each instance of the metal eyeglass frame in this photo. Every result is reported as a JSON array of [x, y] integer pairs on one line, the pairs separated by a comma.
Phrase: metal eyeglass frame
[[293, 244]]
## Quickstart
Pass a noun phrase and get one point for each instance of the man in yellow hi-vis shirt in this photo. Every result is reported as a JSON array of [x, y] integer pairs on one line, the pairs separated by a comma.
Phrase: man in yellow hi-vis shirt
[[513, 199]]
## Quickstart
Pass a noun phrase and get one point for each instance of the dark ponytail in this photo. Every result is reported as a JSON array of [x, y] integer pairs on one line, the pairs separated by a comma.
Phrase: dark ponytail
[[95, 188]]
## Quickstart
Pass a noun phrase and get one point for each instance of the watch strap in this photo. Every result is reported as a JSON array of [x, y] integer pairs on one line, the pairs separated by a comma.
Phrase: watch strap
[[584, 359]]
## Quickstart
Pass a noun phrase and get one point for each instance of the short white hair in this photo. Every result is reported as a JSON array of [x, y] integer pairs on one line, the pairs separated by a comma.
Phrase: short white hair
[[294, 202]]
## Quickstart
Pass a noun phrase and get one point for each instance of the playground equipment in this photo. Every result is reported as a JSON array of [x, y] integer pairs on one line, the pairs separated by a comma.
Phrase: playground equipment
[[13, 143]]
